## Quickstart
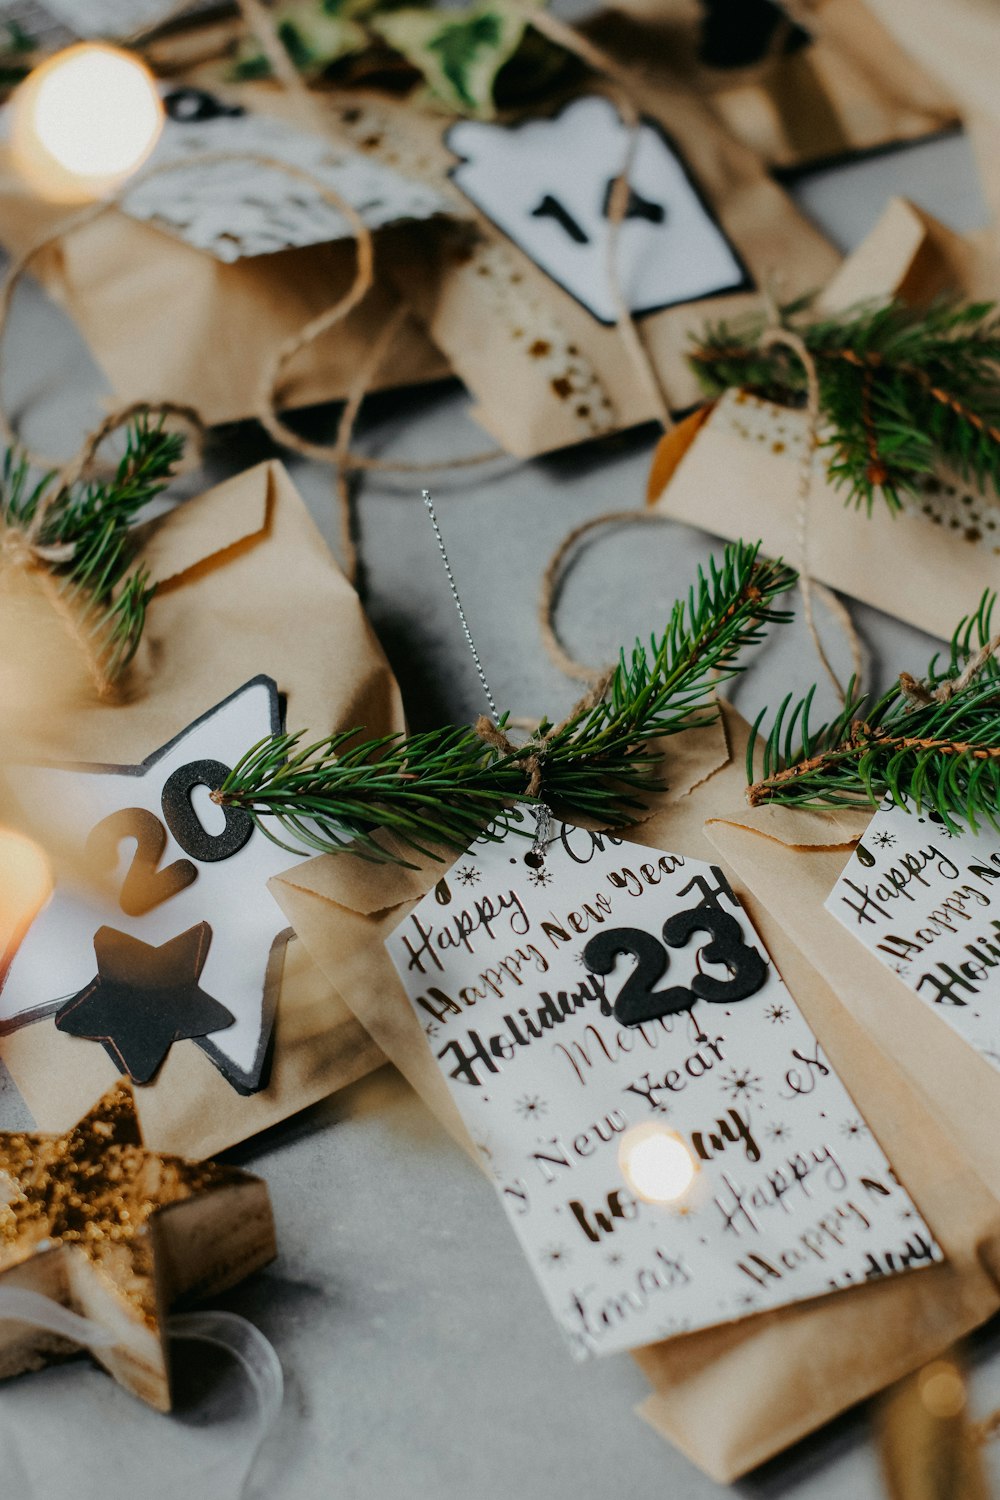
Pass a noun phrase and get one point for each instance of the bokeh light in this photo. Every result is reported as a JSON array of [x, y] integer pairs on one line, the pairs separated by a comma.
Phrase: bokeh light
[[656, 1163], [84, 121]]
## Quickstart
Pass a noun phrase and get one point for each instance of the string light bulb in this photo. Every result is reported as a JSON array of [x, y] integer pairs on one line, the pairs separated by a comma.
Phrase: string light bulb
[[656, 1163], [25, 887], [84, 121]]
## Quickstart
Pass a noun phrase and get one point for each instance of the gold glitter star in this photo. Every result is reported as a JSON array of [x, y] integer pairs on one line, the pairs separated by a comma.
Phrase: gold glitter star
[[117, 1234]]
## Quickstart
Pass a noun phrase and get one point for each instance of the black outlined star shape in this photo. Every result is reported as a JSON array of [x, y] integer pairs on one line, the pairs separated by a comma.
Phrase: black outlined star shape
[[145, 998]]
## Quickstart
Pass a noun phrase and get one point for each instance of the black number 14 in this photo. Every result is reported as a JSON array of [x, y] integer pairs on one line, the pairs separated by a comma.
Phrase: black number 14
[[640, 1001]]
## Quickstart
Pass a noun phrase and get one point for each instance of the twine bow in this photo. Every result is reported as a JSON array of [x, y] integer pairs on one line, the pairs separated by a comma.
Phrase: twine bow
[[918, 692]]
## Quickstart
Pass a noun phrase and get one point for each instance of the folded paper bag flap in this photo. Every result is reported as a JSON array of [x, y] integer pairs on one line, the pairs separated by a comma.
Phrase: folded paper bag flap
[[908, 254], [361, 885], [732, 1397], [208, 526], [802, 828], [792, 881]]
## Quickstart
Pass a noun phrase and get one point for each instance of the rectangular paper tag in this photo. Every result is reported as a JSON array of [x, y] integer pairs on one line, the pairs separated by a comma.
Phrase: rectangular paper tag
[[524, 980], [926, 902]]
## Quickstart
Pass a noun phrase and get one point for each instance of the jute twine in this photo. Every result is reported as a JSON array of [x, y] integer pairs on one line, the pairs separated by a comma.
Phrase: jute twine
[[339, 453], [23, 547], [919, 693], [553, 577], [537, 744]]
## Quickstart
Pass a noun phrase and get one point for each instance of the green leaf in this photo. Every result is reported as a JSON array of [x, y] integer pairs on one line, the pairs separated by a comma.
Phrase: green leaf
[[314, 36], [459, 53]]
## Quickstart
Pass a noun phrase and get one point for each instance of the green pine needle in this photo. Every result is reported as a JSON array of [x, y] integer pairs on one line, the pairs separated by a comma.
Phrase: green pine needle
[[938, 755], [92, 520], [444, 787], [902, 389]]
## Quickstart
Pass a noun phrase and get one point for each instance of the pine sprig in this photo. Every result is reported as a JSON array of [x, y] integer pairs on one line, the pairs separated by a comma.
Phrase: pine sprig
[[442, 788], [903, 390], [935, 752], [80, 534]]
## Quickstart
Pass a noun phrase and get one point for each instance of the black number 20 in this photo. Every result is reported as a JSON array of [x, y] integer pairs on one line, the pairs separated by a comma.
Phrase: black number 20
[[639, 1001], [146, 885]]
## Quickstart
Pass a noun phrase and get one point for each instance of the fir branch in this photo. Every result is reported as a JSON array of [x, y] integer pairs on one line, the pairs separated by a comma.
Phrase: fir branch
[[902, 389], [444, 787], [933, 745], [80, 534]]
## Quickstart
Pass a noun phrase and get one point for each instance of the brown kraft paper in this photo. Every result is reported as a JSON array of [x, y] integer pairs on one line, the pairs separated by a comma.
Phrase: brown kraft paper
[[832, 82], [246, 586], [550, 374], [737, 469], [166, 321], [732, 1396]]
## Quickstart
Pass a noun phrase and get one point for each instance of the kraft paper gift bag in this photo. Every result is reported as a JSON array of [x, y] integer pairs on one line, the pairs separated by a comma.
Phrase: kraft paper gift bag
[[829, 84], [251, 613], [706, 227], [733, 1395], [189, 295], [736, 466]]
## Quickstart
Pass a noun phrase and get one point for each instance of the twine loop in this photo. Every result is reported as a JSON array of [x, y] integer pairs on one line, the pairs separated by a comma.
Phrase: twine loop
[[917, 691], [491, 734]]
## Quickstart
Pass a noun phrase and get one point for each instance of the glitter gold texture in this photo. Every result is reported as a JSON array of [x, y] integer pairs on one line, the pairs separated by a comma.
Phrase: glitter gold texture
[[117, 1233]]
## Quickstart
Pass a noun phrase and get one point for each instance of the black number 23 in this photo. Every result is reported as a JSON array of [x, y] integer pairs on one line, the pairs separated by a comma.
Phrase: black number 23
[[640, 1001]]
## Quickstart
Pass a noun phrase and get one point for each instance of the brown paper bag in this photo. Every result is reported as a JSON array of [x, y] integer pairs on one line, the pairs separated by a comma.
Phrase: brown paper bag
[[737, 469], [551, 372], [168, 322], [731, 1396], [832, 82], [246, 586]]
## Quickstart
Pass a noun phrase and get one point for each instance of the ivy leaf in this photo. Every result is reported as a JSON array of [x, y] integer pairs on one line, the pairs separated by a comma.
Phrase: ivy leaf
[[314, 36], [459, 53]]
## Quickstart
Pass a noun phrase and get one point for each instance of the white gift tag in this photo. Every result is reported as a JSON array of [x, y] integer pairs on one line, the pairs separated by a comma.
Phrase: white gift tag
[[235, 209], [926, 902], [178, 863], [524, 979], [546, 183]]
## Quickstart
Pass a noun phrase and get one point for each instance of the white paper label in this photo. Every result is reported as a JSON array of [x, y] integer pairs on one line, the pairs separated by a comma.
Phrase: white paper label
[[546, 184], [234, 209], [791, 1196], [242, 969], [926, 902]]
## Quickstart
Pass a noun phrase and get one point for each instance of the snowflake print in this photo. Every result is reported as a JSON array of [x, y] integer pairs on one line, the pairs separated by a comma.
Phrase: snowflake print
[[541, 876], [885, 839], [900, 968], [741, 1083], [777, 1013], [747, 1301], [531, 1107], [853, 1127], [555, 1255], [469, 875], [431, 1029], [615, 1258], [777, 1132]]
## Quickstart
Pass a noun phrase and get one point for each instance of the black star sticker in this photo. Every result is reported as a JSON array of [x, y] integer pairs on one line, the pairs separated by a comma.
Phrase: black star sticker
[[144, 999]]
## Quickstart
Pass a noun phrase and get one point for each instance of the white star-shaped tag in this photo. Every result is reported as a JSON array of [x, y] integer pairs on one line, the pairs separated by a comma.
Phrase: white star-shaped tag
[[176, 860]]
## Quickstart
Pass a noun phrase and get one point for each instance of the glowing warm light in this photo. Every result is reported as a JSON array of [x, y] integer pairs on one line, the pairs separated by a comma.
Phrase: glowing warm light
[[656, 1163], [84, 121], [25, 886]]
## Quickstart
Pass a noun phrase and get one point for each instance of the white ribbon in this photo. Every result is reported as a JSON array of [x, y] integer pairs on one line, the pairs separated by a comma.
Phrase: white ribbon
[[254, 1354]]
